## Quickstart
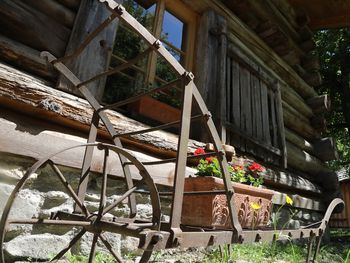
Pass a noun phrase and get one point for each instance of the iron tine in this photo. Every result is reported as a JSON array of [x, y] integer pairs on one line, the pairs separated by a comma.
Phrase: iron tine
[[160, 127], [118, 68], [88, 39], [137, 97]]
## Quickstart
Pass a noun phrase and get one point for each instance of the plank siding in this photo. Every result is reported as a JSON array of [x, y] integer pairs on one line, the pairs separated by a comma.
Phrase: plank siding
[[342, 220]]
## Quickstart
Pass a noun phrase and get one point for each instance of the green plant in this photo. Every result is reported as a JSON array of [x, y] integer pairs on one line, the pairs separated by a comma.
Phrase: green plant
[[210, 167]]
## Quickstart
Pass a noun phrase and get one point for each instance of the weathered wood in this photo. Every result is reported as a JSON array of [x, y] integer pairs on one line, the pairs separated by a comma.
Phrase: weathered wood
[[320, 104], [37, 139], [308, 45], [72, 4], [311, 62], [313, 79], [281, 128], [326, 149], [297, 124], [319, 123], [96, 54], [235, 100], [54, 10], [300, 201], [29, 95], [25, 58], [28, 26], [293, 111], [305, 162]]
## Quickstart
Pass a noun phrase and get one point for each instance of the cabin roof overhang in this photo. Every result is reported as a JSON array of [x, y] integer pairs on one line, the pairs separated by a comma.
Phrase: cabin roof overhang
[[325, 14]]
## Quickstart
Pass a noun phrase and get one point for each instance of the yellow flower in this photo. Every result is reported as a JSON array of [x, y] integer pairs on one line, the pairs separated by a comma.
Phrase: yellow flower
[[255, 205], [289, 200]]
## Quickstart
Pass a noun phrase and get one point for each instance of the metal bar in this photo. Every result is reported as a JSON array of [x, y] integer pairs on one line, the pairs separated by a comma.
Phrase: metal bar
[[69, 189], [160, 127], [181, 158], [137, 97], [237, 228], [49, 222], [110, 249], [120, 199], [118, 68], [104, 185], [170, 160], [88, 39], [93, 249], [71, 244], [214, 192], [88, 154]]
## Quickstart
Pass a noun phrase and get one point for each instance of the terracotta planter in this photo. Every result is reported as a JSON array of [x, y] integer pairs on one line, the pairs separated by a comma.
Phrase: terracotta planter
[[155, 110], [212, 211]]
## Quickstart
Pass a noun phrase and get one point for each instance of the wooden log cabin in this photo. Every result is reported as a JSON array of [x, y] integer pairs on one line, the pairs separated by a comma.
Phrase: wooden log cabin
[[254, 63]]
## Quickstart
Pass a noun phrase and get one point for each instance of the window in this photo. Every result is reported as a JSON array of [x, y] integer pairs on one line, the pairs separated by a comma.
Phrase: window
[[254, 122], [172, 23]]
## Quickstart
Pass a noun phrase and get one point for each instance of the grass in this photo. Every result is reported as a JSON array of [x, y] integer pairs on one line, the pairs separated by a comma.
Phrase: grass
[[337, 251]]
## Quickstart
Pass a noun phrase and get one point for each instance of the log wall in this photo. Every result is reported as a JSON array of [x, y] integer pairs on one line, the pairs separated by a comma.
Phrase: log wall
[[342, 220], [29, 27]]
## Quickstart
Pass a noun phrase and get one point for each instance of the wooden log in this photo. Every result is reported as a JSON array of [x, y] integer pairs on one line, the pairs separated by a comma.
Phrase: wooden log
[[72, 4], [320, 104], [308, 45], [297, 124], [25, 58], [313, 79], [280, 178], [305, 33], [311, 62], [305, 162], [55, 10], [28, 26], [326, 149], [319, 123], [292, 58], [295, 101], [294, 112]]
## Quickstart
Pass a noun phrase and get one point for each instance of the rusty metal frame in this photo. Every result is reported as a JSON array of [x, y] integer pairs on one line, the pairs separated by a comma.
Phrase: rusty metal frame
[[154, 234]]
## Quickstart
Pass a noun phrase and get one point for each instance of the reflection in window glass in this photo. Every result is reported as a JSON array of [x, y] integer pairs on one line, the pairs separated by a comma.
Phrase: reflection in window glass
[[172, 31], [128, 45]]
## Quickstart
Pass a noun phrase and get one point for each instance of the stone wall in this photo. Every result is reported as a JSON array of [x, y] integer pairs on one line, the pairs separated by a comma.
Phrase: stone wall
[[43, 195]]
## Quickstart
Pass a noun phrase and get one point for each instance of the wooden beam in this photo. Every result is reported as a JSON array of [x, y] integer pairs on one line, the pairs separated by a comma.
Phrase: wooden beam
[[25, 58], [28, 26], [54, 10], [299, 201], [72, 4], [320, 104], [326, 149]]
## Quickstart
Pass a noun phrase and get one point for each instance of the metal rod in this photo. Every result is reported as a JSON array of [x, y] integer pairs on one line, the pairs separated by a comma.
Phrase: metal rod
[[215, 192], [71, 244], [69, 189], [110, 249], [170, 160], [137, 97], [160, 127], [118, 68], [39, 221], [104, 185], [120, 199], [93, 248], [88, 39]]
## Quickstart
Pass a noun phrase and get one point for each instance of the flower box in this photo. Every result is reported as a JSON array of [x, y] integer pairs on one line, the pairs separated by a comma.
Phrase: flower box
[[211, 210], [155, 110]]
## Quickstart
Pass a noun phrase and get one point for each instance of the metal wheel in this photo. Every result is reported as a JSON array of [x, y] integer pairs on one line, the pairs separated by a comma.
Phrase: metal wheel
[[98, 219]]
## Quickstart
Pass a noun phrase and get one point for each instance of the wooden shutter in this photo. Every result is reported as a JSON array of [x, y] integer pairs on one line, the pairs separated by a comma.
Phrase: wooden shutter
[[95, 58]]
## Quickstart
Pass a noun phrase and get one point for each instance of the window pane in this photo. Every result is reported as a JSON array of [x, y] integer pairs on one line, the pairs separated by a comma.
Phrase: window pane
[[173, 30]]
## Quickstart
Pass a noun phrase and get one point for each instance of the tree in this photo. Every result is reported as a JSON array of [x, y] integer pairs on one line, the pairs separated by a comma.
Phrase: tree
[[333, 46]]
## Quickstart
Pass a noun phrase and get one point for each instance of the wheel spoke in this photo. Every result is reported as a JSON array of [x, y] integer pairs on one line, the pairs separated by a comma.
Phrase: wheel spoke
[[71, 243], [69, 188], [104, 185], [110, 249], [120, 199], [93, 249]]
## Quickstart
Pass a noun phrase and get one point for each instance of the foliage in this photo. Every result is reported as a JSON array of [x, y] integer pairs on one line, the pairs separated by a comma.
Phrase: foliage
[[210, 166], [333, 47]]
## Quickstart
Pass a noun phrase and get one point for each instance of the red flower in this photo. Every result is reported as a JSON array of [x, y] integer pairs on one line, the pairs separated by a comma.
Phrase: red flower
[[238, 167], [255, 167], [209, 159], [199, 151]]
